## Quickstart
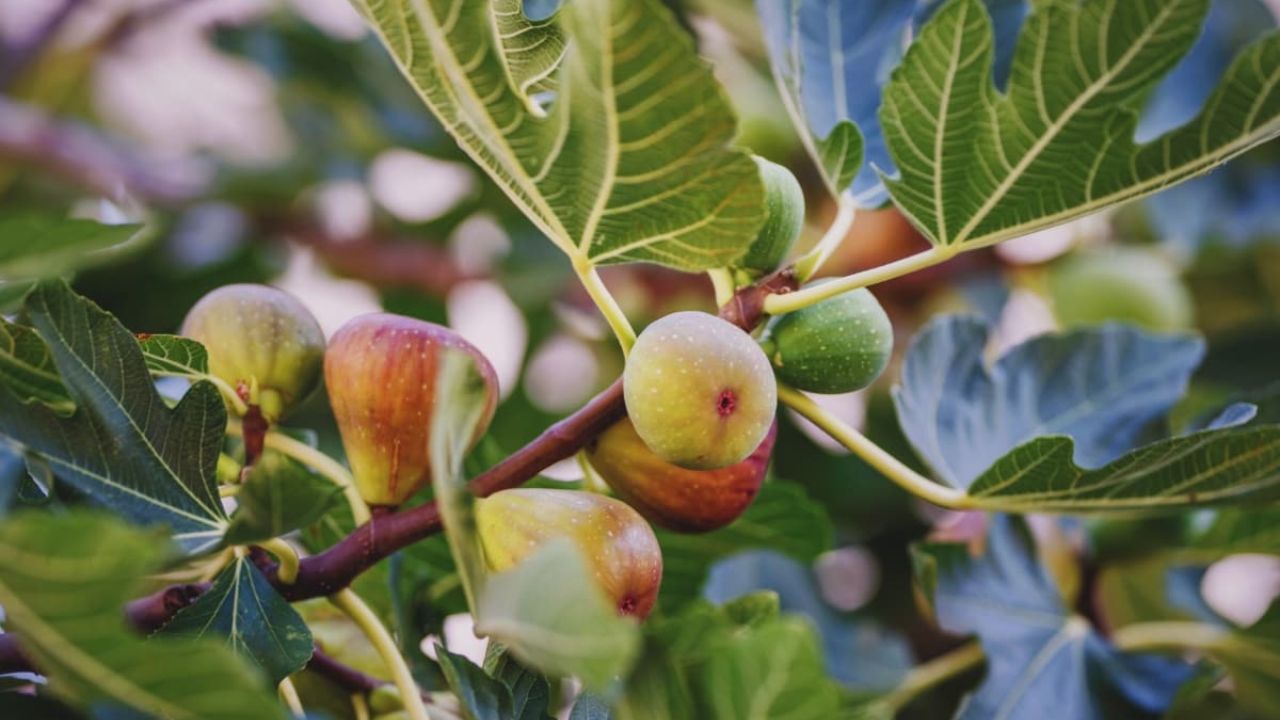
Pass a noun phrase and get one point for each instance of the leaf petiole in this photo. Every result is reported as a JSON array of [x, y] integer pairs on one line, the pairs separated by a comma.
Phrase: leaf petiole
[[804, 297], [875, 456], [606, 303], [932, 673], [368, 622], [287, 557], [1173, 635], [289, 694], [722, 283], [809, 263]]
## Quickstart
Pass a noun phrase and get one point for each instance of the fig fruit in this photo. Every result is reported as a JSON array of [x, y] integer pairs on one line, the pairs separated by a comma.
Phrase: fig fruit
[[1121, 284], [618, 545], [671, 496], [839, 345], [784, 220], [699, 391], [380, 370], [259, 339]]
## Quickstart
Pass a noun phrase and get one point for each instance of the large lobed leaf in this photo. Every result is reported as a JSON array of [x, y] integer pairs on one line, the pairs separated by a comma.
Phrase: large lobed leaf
[[64, 580], [977, 166], [1101, 386], [1042, 661], [124, 447], [631, 160]]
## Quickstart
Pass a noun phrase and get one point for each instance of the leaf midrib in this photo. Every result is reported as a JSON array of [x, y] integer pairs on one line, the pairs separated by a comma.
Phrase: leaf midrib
[[1055, 128]]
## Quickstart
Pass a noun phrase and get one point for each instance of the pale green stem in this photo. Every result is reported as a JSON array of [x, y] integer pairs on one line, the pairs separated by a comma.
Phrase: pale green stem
[[937, 670], [591, 480], [1173, 635], [319, 462], [811, 262], [228, 393], [606, 303], [875, 456], [813, 294], [368, 622], [722, 283], [359, 706], [228, 490], [286, 555], [289, 694]]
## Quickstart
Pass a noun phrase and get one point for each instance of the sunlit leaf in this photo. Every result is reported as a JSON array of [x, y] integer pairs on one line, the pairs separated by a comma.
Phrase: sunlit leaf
[[630, 162], [977, 166]]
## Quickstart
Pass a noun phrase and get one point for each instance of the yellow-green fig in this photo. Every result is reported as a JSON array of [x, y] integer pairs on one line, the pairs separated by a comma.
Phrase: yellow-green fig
[[380, 371], [618, 545], [260, 340], [699, 391], [671, 496]]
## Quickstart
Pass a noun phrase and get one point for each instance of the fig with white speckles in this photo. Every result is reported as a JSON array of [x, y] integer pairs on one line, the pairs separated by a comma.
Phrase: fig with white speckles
[[380, 371], [699, 391], [784, 206], [618, 545], [671, 496], [839, 345], [262, 338]]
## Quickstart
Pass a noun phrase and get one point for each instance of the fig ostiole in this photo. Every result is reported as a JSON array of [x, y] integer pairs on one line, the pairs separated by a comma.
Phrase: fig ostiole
[[261, 341], [618, 545], [784, 218], [839, 345], [671, 496], [699, 391], [380, 371]]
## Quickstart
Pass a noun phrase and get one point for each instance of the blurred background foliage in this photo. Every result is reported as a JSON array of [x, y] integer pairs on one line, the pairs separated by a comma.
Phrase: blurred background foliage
[[274, 141]]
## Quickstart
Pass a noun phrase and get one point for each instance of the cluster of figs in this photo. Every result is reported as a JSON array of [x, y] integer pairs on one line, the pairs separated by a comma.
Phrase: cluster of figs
[[690, 456]]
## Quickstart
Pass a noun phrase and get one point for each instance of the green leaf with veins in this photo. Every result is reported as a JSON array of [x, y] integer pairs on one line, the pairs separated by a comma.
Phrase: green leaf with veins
[[977, 166], [630, 162], [175, 356], [27, 369], [64, 580], [244, 611], [37, 246], [278, 497], [124, 447]]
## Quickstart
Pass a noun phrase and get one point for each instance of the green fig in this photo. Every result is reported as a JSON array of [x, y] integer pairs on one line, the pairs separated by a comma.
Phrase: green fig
[[1124, 284], [699, 391], [671, 496], [380, 370], [839, 345], [260, 340], [784, 220], [618, 545]]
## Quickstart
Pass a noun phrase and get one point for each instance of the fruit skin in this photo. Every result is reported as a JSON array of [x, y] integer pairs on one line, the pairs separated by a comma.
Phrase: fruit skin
[[670, 496], [839, 345], [380, 370], [1128, 285], [259, 335], [784, 205], [618, 545], [699, 391]]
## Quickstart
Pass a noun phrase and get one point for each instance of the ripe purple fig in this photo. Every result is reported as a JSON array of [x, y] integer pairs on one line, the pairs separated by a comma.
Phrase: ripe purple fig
[[699, 391], [671, 496], [380, 370], [259, 339], [618, 545]]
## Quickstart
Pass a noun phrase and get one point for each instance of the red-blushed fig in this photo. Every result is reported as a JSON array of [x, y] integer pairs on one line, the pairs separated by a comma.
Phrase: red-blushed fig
[[618, 545], [699, 391], [259, 339], [671, 496], [380, 370]]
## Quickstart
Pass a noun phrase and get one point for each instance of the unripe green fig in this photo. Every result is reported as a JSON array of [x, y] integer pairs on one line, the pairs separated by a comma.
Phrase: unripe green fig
[[699, 391], [1129, 285], [617, 544], [839, 345], [671, 496], [784, 206], [380, 370], [259, 339]]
